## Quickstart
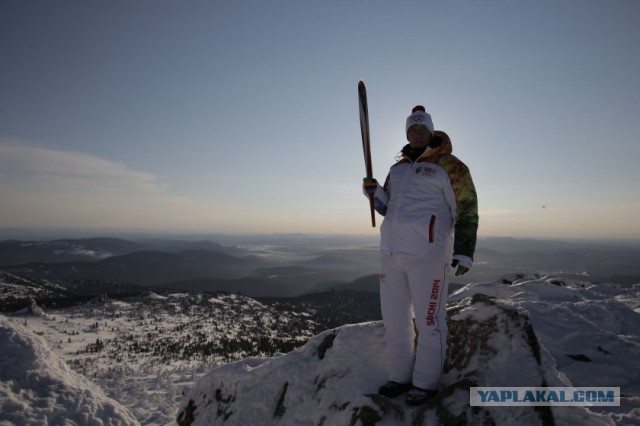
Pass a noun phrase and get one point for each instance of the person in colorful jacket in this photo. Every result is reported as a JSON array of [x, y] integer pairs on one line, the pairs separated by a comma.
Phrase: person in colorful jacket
[[430, 211]]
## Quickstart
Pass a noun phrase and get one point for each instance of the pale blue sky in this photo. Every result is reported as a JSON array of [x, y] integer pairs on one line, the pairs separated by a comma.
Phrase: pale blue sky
[[242, 116]]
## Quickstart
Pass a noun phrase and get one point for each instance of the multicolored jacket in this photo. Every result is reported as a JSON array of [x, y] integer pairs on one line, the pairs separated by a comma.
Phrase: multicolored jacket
[[430, 205]]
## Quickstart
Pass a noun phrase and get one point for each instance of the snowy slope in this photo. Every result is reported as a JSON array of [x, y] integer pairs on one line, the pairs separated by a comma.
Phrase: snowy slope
[[14, 287], [590, 330], [151, 346], [519, 331], [37, 388]]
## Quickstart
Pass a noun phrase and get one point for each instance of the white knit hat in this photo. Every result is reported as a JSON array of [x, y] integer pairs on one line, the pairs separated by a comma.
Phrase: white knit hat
[[420, 116]]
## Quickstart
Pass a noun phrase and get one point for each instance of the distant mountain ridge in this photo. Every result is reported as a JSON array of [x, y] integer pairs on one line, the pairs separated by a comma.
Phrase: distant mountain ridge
[[294, 264], [15, 252], [146, 268], [185, 265], [16, 290]]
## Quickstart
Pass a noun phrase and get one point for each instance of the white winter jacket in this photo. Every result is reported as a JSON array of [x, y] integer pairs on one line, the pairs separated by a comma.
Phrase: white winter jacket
[[430, 205]]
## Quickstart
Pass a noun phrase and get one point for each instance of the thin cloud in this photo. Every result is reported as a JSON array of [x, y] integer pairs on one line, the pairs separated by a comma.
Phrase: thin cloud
[[29, 161], [45, 187]]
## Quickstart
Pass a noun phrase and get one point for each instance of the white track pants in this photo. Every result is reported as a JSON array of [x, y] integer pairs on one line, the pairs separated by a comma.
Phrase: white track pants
[[414, 286]]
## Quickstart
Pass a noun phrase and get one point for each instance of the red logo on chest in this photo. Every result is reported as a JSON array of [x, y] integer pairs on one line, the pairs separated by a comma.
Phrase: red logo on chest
[[425, 170]]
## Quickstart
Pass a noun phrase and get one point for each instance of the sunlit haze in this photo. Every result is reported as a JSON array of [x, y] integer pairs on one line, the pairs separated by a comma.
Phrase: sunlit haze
[[242, 116]]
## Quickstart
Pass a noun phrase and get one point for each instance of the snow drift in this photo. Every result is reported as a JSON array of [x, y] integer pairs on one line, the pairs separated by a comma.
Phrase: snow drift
[[500, 334], [38, 388]]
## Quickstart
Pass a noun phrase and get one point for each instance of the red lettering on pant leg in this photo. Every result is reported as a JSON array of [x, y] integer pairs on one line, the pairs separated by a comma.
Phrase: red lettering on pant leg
[[433, 306], [435, 289], [430, 313]]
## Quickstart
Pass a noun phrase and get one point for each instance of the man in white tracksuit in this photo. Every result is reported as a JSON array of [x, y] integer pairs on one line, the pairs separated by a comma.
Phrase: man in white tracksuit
[[431, 220]]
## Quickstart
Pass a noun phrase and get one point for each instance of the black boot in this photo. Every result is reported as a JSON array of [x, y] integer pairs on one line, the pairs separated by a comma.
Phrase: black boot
[[418, 396], [392, 389]]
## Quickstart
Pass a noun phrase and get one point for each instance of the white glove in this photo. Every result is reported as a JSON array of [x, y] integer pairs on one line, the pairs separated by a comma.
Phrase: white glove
[[462, 264]]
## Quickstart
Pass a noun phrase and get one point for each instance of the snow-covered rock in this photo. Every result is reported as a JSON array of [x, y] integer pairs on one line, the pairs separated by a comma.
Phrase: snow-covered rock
[[37, 388], [332, 380]]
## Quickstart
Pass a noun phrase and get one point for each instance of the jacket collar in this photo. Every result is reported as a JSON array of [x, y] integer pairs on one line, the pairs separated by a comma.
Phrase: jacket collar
[[440, 145]]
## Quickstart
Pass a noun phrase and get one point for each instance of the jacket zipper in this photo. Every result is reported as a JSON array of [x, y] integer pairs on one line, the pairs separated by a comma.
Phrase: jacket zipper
[[403, 185]]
